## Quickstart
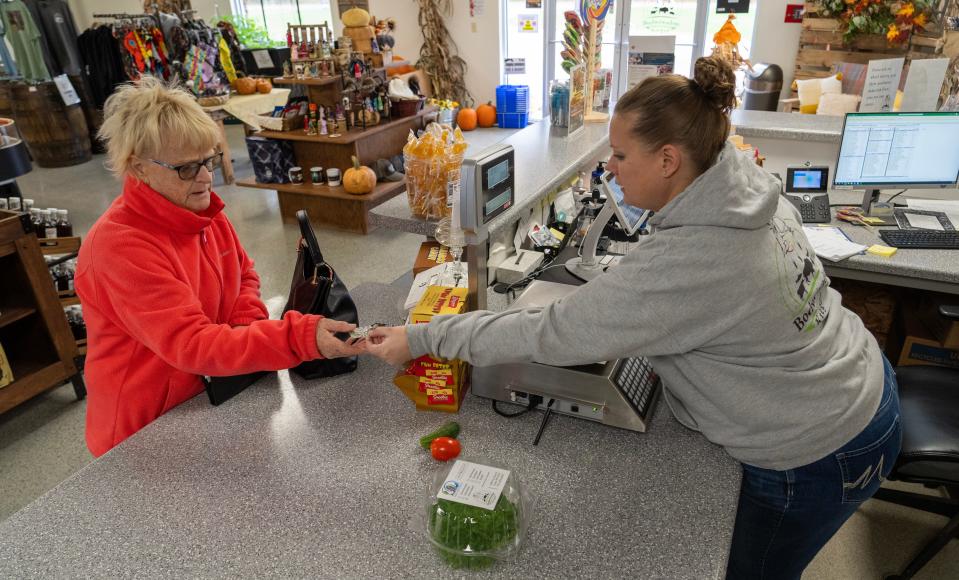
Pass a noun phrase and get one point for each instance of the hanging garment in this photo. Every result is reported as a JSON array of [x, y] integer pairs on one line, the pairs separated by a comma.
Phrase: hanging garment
[[25, 37], [6, 59], [56, 24], [102, 62], [236, 55], [226, 61]]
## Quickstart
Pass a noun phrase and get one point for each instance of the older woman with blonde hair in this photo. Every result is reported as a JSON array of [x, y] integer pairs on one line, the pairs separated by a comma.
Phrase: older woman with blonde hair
[[169, 294]]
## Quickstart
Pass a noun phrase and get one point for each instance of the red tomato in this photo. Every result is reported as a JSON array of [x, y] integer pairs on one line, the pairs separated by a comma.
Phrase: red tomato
[[444, 448]]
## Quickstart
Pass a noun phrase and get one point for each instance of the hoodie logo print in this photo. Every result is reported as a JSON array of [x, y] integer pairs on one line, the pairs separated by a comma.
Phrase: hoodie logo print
[[800, 275]]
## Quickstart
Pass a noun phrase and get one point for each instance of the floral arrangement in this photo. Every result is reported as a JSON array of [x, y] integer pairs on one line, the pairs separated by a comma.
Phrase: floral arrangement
[[897, 20], [444, 103]]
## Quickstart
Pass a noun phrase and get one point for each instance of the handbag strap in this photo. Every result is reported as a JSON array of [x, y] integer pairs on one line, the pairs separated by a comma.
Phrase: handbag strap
[[306, 230]]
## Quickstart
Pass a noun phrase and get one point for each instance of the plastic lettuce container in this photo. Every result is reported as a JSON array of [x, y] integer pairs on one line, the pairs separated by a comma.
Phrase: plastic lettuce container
[[465, 535]]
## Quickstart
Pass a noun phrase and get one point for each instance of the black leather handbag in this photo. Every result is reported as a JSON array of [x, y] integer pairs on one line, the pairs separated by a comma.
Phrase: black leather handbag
[[316, 289]]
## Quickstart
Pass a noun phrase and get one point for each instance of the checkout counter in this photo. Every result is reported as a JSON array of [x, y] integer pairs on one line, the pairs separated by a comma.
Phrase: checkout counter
[[298, 478], [321, 479]]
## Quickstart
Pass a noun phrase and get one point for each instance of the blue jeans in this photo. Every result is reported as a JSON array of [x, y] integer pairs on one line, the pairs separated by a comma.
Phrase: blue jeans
[[785, 517]]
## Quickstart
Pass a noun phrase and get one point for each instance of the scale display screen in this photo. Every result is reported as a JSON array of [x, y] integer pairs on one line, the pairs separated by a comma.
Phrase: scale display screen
[[497, 175]]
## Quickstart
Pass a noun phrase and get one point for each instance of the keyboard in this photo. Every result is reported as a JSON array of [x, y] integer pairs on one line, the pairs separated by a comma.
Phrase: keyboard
[[637, 382], [921, 239]]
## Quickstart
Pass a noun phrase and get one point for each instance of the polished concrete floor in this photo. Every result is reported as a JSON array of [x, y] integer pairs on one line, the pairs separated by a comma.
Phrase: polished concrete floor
[[41, 442]]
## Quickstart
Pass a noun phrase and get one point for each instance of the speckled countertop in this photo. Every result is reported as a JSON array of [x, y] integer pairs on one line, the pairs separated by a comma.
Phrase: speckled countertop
[[543, 164], [790, 126], [926, 269], [321, 479]]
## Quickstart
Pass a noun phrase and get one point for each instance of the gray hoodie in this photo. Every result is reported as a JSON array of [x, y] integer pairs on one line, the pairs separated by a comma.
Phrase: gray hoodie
[[731, 306]]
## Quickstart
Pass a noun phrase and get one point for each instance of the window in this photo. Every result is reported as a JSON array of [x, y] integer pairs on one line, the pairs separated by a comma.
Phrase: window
[[692, 22], [274, 15]]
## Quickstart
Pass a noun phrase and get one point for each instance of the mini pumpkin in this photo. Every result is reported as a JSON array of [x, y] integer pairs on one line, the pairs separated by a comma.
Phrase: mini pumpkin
[[486, 115], [358, 179], [264, 86], [466, 119], [245, 85]]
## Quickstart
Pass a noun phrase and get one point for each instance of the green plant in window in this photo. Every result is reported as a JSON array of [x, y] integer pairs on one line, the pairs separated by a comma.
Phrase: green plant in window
[[250, 33]]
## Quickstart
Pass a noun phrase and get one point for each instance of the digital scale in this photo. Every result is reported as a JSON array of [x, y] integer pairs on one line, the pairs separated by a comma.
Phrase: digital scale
[[620, 393], [487, 188]]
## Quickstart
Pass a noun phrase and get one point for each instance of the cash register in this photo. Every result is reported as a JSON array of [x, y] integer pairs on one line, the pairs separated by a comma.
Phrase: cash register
[[620, 393]]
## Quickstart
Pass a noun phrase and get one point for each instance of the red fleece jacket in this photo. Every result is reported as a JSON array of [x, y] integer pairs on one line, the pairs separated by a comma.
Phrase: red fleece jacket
[[169, 295]]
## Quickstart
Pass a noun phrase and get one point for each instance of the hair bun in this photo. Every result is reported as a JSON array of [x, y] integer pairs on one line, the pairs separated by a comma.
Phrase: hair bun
[[716, 78]]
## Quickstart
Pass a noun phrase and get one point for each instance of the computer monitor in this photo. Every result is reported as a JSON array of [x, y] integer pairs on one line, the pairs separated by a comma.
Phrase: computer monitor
[[587, 265], [897, 151]]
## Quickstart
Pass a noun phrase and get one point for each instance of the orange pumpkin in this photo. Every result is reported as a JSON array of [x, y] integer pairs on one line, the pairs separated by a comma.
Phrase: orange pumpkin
[[358, 179], [466, 119], [486, 115], [264, 86], [245, 85]]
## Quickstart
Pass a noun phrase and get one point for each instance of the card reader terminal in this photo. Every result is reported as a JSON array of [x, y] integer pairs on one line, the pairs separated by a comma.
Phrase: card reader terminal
[[806, 187], [487, 187]]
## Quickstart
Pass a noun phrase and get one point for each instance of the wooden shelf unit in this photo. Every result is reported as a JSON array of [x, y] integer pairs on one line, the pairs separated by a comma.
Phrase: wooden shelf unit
[[66, 245], [331, 206], [33, 331]]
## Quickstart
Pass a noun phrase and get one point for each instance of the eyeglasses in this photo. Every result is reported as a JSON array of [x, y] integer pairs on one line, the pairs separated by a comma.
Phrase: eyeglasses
[[188, 171]]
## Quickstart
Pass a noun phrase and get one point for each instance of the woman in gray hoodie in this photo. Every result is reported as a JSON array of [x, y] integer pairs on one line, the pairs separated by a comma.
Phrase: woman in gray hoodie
[[730, 304]]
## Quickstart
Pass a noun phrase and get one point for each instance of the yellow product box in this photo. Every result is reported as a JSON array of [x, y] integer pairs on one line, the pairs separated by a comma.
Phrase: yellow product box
[[6, 373], [437, 301]]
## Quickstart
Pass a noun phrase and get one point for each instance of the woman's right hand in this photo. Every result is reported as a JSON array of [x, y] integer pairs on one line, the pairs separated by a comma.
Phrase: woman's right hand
[[332, 347]]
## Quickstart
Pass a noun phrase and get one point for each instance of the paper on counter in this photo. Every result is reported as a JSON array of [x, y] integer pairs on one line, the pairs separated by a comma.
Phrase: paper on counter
[[948, 207], [830, 243], [432, 277], [922, 221]]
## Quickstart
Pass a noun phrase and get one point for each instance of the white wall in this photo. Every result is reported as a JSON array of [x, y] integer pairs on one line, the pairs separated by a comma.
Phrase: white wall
[[476, 38], [774, 40]]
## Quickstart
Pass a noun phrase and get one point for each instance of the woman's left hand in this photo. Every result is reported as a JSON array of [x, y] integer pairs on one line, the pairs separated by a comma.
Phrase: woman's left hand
[[390, 344]]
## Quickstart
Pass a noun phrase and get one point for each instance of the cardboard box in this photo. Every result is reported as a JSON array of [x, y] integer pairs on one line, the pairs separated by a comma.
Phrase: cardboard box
[[435, 384], [437, 301], [921, 347], [6, 374], [432, 254], [943, 330]]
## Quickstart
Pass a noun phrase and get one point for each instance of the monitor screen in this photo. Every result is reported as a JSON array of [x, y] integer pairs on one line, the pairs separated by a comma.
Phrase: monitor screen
[[630, 217], [898, 150]]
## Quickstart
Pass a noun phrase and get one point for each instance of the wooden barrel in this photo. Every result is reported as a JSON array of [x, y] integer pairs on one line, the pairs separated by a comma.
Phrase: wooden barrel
[[56, 135], [6, 98]]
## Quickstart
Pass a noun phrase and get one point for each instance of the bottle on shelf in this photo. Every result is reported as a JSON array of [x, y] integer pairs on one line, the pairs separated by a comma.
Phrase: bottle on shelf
[[71, 273], [49, 227], [36, 218], [27, 204], [64, 227], [60, 273]]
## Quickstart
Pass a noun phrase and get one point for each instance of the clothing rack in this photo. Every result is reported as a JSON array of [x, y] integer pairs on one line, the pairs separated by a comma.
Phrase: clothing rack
[[126, 16]]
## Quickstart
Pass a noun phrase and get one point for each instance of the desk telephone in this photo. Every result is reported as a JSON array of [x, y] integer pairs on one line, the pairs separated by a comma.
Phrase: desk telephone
[[805, 187]]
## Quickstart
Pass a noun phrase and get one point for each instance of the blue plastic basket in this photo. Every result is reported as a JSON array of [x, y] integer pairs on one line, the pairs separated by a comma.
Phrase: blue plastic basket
[[512, 120], [512, 99]]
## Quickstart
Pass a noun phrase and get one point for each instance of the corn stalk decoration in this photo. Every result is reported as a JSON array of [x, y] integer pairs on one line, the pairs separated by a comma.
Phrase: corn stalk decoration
[[438, 55]]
